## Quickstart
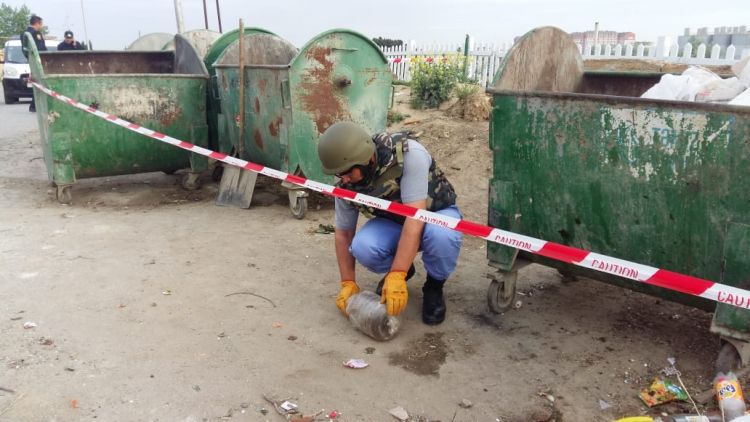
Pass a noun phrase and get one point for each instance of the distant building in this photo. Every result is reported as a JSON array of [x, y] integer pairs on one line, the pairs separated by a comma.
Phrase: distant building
[[604, 37], [724, 36]]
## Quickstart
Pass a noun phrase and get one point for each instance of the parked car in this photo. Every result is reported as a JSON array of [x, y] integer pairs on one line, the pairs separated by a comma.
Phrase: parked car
[[16, 70]]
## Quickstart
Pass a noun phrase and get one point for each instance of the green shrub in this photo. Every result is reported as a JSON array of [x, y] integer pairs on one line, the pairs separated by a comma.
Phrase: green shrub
[[432, 82], [464, 91], [396, 117]]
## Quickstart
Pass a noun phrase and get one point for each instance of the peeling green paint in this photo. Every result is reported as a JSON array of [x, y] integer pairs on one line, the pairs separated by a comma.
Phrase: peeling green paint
[[338, 75], [79, 145], [652, 182]]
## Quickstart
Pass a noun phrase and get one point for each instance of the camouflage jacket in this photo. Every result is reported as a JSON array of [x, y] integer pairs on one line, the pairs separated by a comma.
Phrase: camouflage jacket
[[385, 182]]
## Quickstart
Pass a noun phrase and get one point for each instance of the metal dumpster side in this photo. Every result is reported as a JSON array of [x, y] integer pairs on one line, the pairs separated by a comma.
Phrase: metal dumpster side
[[291, 97], [163, 91], [267, 58], [656, 182], [213, 105], [580, 159]]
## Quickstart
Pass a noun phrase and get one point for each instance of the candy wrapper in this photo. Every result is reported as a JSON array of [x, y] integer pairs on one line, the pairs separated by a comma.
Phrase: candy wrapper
[[356, 364], [662, 391]]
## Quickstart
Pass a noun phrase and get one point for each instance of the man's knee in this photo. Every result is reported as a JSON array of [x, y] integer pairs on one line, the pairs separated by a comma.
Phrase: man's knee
[[441, 238], [367, 251]]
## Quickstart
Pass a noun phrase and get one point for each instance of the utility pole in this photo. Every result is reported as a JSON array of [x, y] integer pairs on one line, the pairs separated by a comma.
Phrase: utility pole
[[178, 14], [85, 32], [205, 14], [596, 34], [218, 14]]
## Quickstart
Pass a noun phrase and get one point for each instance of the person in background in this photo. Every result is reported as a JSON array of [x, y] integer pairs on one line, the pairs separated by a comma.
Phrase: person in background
[[70, 43], [35, 30]]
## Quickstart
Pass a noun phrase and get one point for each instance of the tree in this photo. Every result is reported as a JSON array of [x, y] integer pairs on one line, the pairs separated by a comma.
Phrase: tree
[[12, 21]]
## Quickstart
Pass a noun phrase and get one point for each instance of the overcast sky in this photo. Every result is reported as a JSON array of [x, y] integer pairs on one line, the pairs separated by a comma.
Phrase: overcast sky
[[113, 24]]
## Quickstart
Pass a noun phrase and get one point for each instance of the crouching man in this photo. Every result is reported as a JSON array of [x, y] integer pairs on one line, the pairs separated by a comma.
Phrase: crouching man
[[398, 169]]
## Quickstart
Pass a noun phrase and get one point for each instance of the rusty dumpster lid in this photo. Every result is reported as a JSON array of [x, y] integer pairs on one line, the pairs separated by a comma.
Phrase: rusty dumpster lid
[[224, 41], [338, 75], [150, 42], [544, 59], [201, 39], [260, 49]]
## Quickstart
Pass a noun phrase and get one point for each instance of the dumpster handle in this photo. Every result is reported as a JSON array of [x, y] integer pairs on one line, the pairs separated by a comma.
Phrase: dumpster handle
[[343, 82], [286, 98], [215, 87], [350, 50]]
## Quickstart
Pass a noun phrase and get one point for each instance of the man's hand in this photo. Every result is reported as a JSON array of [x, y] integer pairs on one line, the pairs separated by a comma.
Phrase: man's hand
[[395, 295], [348, 288]]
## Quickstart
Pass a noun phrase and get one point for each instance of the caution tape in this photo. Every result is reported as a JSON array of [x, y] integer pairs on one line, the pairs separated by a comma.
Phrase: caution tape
[[637, 272]]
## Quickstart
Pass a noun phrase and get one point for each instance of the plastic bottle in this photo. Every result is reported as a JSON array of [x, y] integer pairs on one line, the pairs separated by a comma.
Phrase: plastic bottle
[[729, 395], [369, 316]]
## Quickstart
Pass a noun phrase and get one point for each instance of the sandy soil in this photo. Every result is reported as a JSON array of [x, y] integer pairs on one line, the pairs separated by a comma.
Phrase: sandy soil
[[153, 304]]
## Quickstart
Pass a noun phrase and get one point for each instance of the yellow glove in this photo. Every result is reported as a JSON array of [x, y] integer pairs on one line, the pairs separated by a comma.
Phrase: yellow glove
[[348, 288], [395, 295]]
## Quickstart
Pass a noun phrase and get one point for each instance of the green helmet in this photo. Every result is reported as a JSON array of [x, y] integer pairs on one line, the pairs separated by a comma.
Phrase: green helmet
[[343, 146]]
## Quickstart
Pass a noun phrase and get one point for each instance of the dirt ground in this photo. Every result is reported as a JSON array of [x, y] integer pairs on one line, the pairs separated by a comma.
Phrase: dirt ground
[[153, 304]]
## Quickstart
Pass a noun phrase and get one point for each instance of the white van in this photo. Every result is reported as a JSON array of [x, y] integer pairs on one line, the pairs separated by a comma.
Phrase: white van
[[16, 70]]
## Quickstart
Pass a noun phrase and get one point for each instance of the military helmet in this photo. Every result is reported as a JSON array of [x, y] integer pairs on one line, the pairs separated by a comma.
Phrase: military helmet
[[343, 146]]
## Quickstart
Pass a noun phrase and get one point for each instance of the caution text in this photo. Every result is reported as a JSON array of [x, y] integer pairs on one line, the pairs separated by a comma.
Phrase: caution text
[[616, 269], [733, 299], [432, 220], [509, 241]]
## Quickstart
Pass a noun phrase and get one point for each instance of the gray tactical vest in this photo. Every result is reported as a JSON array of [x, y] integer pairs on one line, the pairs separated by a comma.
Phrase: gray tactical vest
[[385, 183]]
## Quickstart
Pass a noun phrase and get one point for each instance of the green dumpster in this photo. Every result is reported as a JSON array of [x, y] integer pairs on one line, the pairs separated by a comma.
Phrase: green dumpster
[[162, 90], [291, 97], [213, 105], [662, 183]]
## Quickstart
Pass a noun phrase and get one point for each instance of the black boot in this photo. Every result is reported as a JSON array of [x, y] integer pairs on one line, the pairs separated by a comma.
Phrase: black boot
[[409, 274], [433, 305]]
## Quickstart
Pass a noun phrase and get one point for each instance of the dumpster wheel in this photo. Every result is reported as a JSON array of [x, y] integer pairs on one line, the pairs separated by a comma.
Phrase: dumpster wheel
[[298, 207], [64, 194], [191, 181], [217, 172], [501, 294], [728, 358]]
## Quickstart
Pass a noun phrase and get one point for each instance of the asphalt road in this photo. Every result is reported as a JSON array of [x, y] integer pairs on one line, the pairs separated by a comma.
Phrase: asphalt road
[[19, 143], [15, 119]]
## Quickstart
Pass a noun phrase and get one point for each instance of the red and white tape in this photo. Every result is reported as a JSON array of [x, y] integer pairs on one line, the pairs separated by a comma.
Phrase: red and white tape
[[582, 258]]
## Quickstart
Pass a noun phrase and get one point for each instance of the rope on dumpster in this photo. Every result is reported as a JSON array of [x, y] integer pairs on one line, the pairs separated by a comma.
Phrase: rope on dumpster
[[630, 270]]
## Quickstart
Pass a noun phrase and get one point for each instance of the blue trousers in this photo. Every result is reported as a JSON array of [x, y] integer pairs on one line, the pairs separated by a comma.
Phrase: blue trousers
[[374, 245]]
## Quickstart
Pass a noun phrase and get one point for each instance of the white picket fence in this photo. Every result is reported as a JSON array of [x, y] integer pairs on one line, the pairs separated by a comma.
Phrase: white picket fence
[[666, 50], [483, 58]]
